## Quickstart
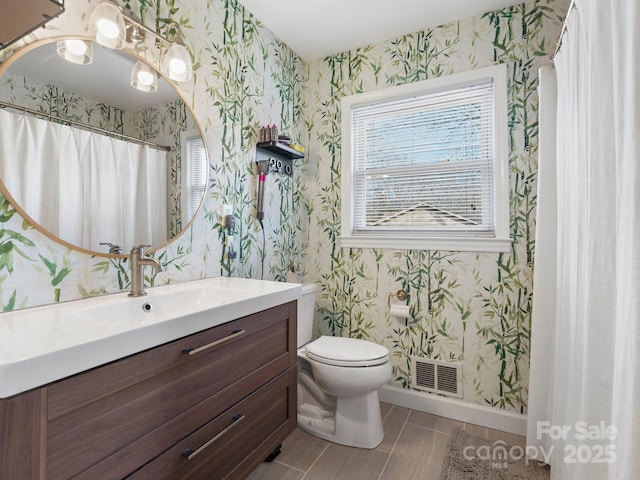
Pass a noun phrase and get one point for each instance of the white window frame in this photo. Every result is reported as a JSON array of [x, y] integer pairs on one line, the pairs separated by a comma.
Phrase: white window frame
[[186, 187], [401, 240]]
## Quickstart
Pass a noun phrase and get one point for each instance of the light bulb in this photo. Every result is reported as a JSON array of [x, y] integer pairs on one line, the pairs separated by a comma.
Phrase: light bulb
[[108, 29], [76, 47], [145, 78], [177, 66]]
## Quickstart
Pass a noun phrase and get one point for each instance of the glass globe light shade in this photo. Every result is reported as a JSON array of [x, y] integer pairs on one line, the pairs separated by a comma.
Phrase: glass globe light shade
[[144, 78], [75, 51], [176, 63], [106, 25]]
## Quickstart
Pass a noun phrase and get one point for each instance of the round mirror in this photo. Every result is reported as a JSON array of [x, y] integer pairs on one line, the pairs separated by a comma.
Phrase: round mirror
[[97, 150]]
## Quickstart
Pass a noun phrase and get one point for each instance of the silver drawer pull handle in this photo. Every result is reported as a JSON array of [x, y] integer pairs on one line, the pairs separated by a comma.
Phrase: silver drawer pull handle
[[189, 454], [193, 351]]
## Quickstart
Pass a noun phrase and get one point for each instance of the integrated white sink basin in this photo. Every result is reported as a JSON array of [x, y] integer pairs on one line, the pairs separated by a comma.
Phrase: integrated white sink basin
[[162, 303], [43, 344]]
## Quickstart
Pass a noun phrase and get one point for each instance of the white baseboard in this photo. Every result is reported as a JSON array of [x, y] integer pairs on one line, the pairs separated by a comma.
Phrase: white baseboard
[[454, 409]]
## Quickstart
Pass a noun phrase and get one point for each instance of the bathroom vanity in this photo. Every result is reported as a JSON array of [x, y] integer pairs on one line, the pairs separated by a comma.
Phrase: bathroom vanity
[[196, 381]]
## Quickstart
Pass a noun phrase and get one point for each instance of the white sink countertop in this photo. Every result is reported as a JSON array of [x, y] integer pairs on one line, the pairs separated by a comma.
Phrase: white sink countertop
[[44, 344]]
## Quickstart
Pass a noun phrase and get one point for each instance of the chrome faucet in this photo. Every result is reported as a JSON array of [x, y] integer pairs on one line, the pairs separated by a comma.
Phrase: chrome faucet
[[138, 260]]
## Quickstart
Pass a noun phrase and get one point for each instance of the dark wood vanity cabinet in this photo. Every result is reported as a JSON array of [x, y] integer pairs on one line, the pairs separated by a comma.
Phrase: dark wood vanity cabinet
[[212, 405]]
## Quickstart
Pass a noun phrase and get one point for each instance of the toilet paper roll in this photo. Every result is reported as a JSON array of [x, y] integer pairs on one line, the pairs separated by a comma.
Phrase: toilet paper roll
[[400, 311]]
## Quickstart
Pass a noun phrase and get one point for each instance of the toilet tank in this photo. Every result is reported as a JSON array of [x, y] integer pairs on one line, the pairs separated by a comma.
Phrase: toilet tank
[[306, 309]]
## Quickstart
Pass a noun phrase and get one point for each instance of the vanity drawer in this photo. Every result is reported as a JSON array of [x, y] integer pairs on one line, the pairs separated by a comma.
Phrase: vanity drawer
[[87, 387], [234, 443], [153, 399]]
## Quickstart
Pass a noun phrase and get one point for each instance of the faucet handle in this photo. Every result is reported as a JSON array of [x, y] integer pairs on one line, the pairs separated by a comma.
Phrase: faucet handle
[[112, 247], [138, 248]]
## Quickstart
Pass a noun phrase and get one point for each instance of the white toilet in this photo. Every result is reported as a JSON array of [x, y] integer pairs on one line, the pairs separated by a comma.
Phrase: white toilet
[[338, 382]]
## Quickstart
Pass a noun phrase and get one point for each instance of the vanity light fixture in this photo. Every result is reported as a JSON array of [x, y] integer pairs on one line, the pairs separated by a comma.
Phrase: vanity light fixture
[[105, 24], [75, 51], [144, 78]]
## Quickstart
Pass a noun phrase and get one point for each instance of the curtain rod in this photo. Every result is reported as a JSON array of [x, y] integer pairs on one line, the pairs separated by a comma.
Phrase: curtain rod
[[85, 126], [562, 32]]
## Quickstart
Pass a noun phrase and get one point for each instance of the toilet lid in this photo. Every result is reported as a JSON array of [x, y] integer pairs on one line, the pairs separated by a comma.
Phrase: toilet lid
[[347, 352]]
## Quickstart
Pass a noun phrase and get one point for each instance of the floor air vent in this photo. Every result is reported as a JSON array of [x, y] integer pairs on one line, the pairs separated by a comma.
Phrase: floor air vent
[[434, 376]]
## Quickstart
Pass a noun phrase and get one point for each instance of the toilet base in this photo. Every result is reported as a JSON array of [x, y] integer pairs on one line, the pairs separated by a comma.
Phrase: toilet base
[[356, 421]]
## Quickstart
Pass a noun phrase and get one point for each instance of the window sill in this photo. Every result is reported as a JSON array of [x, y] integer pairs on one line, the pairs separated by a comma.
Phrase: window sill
[[453, 244]]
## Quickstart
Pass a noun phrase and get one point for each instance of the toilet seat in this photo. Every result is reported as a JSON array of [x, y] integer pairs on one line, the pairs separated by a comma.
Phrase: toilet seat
[[346, 352]]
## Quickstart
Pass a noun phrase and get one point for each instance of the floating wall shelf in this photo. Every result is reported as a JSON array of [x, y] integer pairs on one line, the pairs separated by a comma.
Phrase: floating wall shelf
[[278, 156], [281, 149]]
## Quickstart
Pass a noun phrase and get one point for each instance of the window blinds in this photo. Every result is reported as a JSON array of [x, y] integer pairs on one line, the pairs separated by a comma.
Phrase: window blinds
[[197, 169], [426, 164]]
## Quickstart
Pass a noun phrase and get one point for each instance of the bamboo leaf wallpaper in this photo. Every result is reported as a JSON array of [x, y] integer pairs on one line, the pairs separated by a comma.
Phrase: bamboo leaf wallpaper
[[468, 308], [472, 308]]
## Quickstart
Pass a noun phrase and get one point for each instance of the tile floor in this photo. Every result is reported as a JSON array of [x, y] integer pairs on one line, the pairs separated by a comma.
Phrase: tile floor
[[413, 448]]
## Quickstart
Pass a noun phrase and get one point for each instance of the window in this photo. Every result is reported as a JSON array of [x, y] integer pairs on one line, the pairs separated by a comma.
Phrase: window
[[425, 165], [195, 173]]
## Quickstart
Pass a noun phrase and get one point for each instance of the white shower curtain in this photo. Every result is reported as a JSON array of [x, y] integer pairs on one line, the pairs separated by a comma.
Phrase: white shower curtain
[[544, 275], [85, 188], [585, 357]]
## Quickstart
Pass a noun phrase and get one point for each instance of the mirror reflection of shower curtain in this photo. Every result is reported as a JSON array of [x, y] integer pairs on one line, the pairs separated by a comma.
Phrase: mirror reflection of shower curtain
[[84, 187]]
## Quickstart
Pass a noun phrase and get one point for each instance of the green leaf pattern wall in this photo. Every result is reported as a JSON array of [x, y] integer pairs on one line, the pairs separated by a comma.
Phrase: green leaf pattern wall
[[472, 308]]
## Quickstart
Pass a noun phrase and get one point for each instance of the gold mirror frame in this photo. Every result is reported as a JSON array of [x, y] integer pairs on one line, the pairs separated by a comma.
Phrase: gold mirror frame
[[4, 67]]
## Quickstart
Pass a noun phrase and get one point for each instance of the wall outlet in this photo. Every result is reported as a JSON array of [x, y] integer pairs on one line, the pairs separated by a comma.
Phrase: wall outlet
[[227, 210]]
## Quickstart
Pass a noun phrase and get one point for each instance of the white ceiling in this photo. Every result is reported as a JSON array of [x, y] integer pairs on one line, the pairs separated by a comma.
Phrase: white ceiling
[[315, 29]]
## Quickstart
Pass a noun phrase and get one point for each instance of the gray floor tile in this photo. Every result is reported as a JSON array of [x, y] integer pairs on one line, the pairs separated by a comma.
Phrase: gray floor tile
[[275, 471], [433, 422], [392, 424], [338, 462], [413, 449], [418, 455], [300, 450]]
